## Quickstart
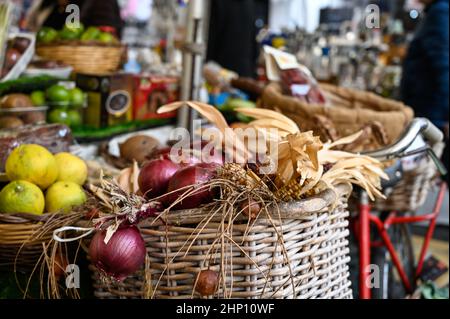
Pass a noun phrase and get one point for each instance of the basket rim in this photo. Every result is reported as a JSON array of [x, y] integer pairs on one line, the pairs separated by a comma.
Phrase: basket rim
[[20, 218], [89, 44], [298, 209]]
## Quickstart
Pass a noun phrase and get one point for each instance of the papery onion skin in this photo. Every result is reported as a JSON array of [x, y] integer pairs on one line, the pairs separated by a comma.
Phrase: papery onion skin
[[196, 175], [250, 208], [154, 177], [122, 256], [189, 155]]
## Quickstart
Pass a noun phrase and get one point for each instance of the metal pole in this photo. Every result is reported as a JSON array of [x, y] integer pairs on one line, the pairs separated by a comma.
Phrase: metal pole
[[192, 61]]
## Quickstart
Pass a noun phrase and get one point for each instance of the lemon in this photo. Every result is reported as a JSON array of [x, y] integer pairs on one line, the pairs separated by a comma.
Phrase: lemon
[[71, 168], [32, 163], [22, 197], [62, 196]]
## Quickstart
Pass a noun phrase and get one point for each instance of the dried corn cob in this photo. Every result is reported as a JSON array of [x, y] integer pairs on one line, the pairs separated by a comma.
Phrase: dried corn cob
[[294, 190], [237, 174]]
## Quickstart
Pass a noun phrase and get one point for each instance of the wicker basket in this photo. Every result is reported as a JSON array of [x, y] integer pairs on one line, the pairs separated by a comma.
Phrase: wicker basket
[[20, 246], [84, 58], [412, 191], [348, 110], [315, 238]]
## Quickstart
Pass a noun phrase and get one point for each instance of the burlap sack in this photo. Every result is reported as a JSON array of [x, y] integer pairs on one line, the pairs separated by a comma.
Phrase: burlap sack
[[348, 109]]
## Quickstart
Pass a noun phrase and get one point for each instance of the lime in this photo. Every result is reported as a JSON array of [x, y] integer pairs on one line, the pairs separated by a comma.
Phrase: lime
[[32, 163], [47, 35], [22, 197], [62, 196], [90, 34], [76, 97], [78, 30], [106, 37], [71, 168], [74, 117], [68, 34], [58, 94], [58, 116], [38, 98]]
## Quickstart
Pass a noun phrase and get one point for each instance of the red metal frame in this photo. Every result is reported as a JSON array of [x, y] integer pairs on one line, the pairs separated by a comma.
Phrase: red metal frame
[[364, 221]]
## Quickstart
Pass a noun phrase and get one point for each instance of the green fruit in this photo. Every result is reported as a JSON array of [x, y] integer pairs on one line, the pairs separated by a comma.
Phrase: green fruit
[[90, 34], [74, 118], [38, 98], [106, 37], [76, 97], [58, 94], [47, 35], [68, 34], [22, 197], [59, 116], [79, 31]]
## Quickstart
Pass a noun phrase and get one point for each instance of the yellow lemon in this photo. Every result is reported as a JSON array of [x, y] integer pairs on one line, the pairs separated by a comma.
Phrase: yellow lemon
[[71, 168], [22, 197], [32, 163], [62, 196]]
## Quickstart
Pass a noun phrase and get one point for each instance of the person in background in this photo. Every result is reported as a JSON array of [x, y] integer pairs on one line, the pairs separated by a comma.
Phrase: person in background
[[425, 82], [52, 13], [233, 27]]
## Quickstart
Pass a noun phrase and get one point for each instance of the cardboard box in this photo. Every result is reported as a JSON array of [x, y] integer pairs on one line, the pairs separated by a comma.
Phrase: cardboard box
[[151, 92], [110, 99]]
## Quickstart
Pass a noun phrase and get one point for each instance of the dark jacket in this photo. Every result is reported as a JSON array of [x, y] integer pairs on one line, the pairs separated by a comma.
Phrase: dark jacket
[[426, 67], [232, 34]]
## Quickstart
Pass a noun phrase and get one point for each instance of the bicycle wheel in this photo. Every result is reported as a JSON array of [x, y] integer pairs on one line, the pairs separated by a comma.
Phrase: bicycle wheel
[[390, 284]]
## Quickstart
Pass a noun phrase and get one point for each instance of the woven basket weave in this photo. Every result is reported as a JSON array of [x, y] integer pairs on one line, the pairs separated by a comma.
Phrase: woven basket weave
[[412, 191], [315, 240], [19, 245], [347, 109], [84, 58]]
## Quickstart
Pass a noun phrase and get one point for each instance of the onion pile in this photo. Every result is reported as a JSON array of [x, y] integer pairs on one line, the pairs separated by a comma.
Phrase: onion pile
[[123, 255], [155, 175], [196, 175], [172, 174]]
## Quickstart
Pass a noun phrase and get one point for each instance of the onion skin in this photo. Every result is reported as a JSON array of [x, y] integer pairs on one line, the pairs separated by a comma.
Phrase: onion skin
[[207, 282], [161, 153], [155, 175], [250, 208], [122, 256], [195, 175], [188, 156]]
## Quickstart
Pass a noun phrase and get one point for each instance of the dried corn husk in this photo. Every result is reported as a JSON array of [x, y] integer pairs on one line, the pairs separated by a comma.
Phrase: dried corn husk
[[301, 156]]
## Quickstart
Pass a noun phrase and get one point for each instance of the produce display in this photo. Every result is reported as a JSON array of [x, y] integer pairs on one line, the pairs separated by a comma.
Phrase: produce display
[[33, 170], [246, 192], [15, 48], [54, 137], [81, 34], [65, 104], [178, 183], [19, 109]]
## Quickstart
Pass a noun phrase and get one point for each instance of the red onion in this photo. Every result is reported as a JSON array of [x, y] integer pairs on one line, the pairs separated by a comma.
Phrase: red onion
[[160, 153], [154, 177], [194, 154], [192, 175], [123, 255]]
